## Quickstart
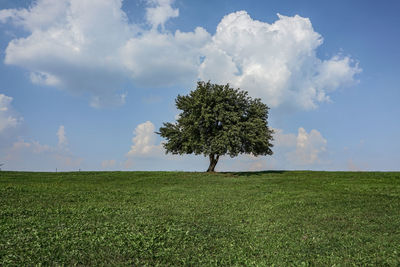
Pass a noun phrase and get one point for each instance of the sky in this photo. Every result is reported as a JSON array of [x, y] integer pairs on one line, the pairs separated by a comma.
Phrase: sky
[[86, 84]]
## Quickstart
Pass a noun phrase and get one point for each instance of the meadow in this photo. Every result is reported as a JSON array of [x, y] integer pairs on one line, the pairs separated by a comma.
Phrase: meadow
[[180, 218]]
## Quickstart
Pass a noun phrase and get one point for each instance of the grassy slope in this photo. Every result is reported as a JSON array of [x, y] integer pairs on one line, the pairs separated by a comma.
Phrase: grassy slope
[[168, 218]]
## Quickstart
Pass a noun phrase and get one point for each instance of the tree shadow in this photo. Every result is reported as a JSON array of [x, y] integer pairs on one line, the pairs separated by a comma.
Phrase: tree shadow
[[255, 173]]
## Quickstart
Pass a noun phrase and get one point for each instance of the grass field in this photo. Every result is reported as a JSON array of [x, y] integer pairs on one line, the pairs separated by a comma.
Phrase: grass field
[[178, 218]]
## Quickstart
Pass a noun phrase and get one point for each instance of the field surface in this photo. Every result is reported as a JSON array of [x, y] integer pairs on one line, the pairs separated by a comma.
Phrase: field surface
[[178, 218]]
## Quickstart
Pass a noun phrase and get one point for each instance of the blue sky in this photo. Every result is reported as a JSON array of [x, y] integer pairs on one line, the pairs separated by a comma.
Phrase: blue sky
[[84, 84]]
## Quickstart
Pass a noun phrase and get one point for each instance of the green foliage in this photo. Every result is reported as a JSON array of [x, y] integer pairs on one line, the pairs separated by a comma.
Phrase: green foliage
[[197, 219], [218, 120]]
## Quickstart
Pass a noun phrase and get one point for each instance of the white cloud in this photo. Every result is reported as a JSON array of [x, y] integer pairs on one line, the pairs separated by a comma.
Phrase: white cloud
[[156, 60], [147, 153], [43, 78], [62, 139], [144, 141], [301, 149], [160, 12], [282, 139], [309, 146], [105, 164], [20, 154], [8, 119], [89, 46], [145, 150], [20, 144], [40, 16], [23, 146], [73, 44], [38, 148], [32, 155], [276, 62], [291, 151]]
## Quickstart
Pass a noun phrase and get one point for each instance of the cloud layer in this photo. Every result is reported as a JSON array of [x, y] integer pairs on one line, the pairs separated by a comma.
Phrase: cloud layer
[[89, 46], [8, 118], [276, 62], [144, 141], [304, 148], [32, 155], [62, 138], [291, 151]]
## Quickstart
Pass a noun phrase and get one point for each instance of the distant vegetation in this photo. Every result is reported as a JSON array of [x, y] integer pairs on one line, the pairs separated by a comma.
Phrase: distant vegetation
[[178, 218]]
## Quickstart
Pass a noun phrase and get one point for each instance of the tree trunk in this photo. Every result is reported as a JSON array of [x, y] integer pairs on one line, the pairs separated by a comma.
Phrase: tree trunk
[[213, 162]]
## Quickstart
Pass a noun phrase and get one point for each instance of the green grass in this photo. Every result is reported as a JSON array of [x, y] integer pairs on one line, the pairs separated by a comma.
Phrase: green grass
[[178, 218]]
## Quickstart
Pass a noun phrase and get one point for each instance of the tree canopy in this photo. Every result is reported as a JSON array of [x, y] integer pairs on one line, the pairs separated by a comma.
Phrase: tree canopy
[[218, 120]]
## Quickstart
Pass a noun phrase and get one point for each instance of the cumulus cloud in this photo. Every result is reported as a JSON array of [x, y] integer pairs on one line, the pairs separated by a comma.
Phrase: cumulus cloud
[[160, 12], [276, 62], [32, 155], [147, 153], [303, 148], [43, 78], [40, 16], [164, 59], [291, 151], [23, 146], [8, 118], [282, 139], [89, 46], [309, 146], [20, 154], [62, 139], [72, 44], [144, 141], [145, 147]]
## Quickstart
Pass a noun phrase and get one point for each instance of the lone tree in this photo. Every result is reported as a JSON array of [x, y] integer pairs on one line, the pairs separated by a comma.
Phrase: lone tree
[[218, 120]]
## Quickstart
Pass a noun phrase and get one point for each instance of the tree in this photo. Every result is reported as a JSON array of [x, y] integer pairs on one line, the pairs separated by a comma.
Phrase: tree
[[217, 120]]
